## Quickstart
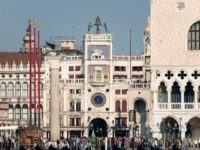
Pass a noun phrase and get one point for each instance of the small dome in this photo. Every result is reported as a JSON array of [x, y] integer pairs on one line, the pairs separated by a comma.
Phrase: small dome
[[26, 37]]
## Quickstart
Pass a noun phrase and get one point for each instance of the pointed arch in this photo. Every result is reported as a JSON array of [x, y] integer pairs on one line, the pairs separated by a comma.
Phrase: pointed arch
[[162, 93], [189, 93], [175, 93]]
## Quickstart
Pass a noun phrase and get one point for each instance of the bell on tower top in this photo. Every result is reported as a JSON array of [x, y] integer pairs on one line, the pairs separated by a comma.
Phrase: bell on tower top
[[98, 24]]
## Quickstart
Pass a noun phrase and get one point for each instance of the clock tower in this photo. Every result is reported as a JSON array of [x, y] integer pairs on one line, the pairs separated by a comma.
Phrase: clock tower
[[98, 79]]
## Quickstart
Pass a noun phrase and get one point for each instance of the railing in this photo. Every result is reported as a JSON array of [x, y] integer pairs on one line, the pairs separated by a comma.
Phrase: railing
[[125, 58], [72, 58], [75, 81], [140, 85], [175, 105], [119, 80], [163, 106], [189, 105]]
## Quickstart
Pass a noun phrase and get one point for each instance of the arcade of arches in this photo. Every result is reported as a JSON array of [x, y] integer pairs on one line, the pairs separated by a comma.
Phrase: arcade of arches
[[170, 128]]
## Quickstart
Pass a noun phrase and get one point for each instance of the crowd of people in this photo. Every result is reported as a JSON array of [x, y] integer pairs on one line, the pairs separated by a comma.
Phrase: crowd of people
[[101, 143]]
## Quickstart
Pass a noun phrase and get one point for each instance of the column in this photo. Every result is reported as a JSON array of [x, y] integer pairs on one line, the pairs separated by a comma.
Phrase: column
[[169, 99], [182, 99], [195, 99], [65, 134], [54, 101], [86, 132], [155, 100], [183, 134]]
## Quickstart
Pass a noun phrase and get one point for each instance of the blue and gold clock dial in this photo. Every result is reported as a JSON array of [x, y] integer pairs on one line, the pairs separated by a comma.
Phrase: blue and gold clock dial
[[98, 99]]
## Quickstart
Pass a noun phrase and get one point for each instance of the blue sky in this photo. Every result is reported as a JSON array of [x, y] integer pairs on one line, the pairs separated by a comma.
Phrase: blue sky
[[71, 17]]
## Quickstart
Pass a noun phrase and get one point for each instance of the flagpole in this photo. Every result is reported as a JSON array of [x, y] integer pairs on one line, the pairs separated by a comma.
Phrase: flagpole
[[130, 53], [35, 72], [30, 71], [39, 74]]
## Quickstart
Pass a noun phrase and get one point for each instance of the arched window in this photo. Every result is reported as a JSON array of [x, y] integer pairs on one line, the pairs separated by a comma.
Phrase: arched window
[[11, 112], [194, 37], [3, 89], [41, 110], [117, 106], [124, 106], [25, 111], [41, 89], [10, 89], [17, 111], [198, 96], [72, 105], [25, 90], [189, 93], [78, 105], [17, 90], [32, 110], [175, 93], [162, 93]]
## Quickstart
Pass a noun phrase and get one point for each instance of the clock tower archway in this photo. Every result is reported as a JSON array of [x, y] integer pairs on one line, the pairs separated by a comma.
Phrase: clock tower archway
[[99, 126]]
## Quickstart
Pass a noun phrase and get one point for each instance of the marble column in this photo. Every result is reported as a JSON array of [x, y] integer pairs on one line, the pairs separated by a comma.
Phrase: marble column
[[54, 100]]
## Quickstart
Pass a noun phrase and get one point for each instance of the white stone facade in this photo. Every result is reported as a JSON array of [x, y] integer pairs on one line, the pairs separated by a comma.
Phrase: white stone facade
[[170, 59], [144, 95]]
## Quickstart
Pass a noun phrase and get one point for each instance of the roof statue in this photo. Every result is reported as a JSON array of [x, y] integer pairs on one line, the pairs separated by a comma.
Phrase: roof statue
[[97, 24], [52, 49]]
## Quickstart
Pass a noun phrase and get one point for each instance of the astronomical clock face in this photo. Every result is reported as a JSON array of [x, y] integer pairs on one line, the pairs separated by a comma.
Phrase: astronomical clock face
[[98, 99], [105, 50]]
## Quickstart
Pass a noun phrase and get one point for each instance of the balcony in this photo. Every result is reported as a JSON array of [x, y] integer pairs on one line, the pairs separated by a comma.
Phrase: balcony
[[179, 106], [75, 81], [120, 80], [175, 105], [141, 85], [189, 106], [163, 106]]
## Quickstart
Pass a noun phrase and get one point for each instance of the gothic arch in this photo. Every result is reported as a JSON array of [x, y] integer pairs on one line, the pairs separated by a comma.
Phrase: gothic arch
[[165, 82], [192, 83]]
